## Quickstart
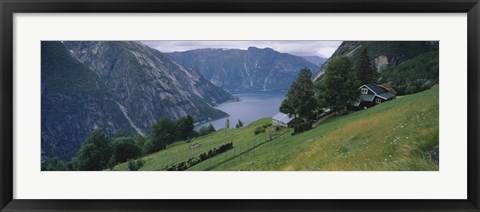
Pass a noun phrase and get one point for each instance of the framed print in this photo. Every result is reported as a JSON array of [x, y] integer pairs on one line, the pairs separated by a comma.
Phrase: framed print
[[264, 105]]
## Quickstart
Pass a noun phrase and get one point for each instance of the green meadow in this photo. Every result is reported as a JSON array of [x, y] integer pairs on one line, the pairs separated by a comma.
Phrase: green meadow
[[399, 135]]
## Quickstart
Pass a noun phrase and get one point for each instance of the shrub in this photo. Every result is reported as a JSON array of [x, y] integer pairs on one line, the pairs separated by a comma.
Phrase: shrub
[[151, 146], [206, 130], [259, 129], [184, 165], [265, 126], [54, 164], [302, 128], [135, 165]]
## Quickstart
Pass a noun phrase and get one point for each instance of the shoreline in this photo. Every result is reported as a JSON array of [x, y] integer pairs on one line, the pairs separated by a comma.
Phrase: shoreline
[[238, 97]]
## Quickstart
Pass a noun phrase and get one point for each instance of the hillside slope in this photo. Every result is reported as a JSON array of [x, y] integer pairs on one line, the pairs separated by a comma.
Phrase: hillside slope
[[388, 54], [399, 135]]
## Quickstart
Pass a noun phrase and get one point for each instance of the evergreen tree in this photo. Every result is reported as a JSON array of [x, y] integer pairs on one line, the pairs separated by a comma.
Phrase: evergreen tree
[[287, 105], [94, 154], [364, 70], [239, 124], [339, 86], [185, 127], [211, 128], [227, 125], [300, 100]]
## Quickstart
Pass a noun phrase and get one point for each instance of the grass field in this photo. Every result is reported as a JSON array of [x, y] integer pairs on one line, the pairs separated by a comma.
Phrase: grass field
[[396, 135], [243, 139]]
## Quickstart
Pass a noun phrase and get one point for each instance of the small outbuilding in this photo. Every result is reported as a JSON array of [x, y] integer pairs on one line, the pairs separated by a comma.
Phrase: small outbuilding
[[371, 95], [285, 120]]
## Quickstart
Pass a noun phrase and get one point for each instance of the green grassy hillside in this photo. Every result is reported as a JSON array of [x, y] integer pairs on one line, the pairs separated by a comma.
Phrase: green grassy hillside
[[396, 135]]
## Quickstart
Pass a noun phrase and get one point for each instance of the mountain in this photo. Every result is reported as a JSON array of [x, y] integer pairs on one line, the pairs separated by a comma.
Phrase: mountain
[[315, 59], [74, 101], [245, 70], [384, 54], [115, 85]]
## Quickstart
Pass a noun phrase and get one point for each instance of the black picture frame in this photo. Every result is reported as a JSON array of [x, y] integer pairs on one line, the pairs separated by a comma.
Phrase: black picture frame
[[9, 7]]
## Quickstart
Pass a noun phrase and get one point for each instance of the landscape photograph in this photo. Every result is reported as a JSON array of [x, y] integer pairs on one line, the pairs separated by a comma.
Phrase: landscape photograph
[[246, 105]]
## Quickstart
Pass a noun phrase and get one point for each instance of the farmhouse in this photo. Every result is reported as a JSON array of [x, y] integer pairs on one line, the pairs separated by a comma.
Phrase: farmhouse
[[371, 95], [282, 119]]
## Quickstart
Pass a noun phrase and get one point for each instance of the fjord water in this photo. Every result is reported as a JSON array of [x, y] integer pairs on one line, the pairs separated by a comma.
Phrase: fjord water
[[252, 106]]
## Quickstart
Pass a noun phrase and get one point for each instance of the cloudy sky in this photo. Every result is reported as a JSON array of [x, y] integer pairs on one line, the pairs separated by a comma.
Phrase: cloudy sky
[[299, 48]]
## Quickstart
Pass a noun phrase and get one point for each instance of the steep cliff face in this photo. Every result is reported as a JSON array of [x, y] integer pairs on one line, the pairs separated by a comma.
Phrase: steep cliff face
[[149, 84], [384, 54], [136, 85], [74, 102], [244, 70]]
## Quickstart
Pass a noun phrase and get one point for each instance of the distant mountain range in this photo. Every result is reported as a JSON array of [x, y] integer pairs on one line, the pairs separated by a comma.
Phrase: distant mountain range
[[253, 69], [115, 85], [315, 59]]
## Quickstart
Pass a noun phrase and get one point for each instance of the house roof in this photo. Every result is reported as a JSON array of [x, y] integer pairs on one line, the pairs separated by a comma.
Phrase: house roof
[[376, 89], [385, 95], [389, 88], [282, 117]]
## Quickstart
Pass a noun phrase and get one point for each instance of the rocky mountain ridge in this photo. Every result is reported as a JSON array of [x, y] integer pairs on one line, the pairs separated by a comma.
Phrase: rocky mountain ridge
[[253, 69]]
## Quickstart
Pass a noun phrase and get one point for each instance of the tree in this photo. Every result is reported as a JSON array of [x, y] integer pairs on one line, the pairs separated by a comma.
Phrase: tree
[[227, 125], [287, 105], [94, 154], [125, 148], [162, 135], [364, 70], [339, 86], [54, 164], [121, 133], [239, 124], [211, 128], [300, 99], [185, 128], [141, 140]]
